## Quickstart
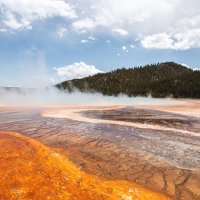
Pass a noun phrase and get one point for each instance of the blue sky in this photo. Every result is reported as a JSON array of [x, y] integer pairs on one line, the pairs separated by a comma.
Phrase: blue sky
[[38, 36]]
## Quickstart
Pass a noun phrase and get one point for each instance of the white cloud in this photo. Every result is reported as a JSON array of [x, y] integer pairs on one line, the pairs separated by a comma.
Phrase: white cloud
[[84, 24], [164, 24], [62, 32], [124, 48], [187, 39], [76, 71], [120, 31], [177, 41], [132, 46], [194, 69], [129, 15], [11, 22], [185, 65], [84, 41], [19, 14], [159, 41], [89, 39], [3, 30]]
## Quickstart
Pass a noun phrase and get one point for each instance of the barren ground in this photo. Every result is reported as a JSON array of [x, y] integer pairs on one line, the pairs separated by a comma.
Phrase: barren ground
[[157, 147], [30, 170]]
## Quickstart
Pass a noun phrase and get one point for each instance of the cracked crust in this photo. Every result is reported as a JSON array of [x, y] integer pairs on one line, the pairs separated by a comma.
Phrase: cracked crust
[[38, 172], [157, 159]]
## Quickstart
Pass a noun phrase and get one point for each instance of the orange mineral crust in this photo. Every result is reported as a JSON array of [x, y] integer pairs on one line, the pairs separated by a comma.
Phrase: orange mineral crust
[[30, 170]]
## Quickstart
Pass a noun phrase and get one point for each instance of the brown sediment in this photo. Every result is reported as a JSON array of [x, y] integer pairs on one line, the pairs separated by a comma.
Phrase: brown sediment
[[186, 107], [30, 170], [162, 178], [75, 114]]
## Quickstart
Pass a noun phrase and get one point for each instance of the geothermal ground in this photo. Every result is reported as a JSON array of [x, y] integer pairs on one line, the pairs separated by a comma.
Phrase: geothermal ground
[[85, 150], [30, 170]]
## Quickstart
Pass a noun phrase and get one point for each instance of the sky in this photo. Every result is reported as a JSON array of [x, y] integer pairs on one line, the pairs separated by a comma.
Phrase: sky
[[46, 41]]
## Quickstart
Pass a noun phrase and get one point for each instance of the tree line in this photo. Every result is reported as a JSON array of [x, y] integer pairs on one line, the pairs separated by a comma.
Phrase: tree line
[[158, 80]]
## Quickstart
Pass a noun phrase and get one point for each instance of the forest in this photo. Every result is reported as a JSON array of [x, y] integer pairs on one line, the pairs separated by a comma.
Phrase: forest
[[158, 80]]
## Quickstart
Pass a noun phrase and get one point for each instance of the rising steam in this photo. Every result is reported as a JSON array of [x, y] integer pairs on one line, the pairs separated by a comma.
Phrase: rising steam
[[52, 96]]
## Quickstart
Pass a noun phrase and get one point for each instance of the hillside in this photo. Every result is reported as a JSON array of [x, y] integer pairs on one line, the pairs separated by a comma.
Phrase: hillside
[[158, 80]]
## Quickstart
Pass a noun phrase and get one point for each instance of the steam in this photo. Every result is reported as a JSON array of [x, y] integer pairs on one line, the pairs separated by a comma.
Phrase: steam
[[52, 96]]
